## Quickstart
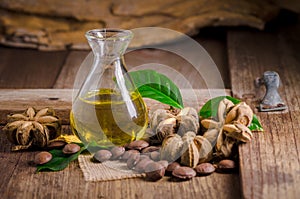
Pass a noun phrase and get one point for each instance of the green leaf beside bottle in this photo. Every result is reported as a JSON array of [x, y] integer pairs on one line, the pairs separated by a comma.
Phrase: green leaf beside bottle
[[157, 86]]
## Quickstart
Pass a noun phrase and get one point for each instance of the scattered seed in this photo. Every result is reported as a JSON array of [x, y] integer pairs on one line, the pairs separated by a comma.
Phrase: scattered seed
[[184, 173], [204, 169], [42, 157], [71, 148], [102, 155]]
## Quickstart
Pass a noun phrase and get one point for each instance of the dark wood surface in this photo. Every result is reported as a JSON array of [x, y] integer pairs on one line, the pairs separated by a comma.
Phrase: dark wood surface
[[269, 165]]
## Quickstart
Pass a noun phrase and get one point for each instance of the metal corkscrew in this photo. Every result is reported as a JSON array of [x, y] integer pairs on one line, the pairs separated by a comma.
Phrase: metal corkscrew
[[272, 100]]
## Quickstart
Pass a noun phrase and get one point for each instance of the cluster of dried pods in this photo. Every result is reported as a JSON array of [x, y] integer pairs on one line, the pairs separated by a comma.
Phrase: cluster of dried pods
[[181, 140], [32, 128], [229, 128]]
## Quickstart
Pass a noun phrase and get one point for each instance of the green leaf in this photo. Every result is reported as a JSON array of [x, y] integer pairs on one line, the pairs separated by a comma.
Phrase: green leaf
[[154, 85], [210, 109], [255, 124], [59, 160]]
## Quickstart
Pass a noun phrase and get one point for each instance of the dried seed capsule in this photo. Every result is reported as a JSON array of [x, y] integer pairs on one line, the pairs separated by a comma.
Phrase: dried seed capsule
[[171, 167], [171, 148], [154, 171], [126, 155], [158, 116], [71, 148], [184, 173], [186, 124], [102, 155], [165, 128], [133, 160], [226, 166], [42, 157], [204, 169], [138, 145], [117, 152], [155, 155]]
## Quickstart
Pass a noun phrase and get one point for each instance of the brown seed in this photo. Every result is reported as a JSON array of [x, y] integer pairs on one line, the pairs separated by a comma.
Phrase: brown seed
[[56, 144], [204, 169], [138, 145], [71, 148], [184, 173], [102, 155], [150, 149], [171, 167], [154, 171], [225, 166], [42, 157], [127, 154], [141, 165], [117, 152], [133, 160], [164, 163], [155, 155]]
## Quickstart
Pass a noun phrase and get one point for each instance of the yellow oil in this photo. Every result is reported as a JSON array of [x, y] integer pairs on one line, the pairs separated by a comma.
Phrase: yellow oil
[[106, 117]]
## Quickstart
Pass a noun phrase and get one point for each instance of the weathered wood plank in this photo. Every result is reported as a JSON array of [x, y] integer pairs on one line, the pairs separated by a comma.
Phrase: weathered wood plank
[[69, 69], [270, 164], [17, 100], [22, 182], [172, 65], [20, 68]]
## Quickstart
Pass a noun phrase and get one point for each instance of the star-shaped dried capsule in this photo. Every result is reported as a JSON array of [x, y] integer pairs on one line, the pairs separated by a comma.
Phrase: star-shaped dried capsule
[[230, 126], [32, 128]]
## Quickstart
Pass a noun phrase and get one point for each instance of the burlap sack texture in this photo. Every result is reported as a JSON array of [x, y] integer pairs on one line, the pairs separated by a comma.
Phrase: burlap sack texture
[[59, 25]]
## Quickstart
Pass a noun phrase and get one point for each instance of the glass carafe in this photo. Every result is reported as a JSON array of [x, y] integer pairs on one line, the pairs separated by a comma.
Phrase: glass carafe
[[108, 109]]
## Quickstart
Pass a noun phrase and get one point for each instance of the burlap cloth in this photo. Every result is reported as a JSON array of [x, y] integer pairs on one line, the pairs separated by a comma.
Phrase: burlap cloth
[[109, 170]]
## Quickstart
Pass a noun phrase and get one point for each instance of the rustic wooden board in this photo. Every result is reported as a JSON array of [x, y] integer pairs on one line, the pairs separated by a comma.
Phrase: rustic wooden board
[[21, 68], [270, 164], [174, 66], [69, 69], [17, 100], [20, 180]]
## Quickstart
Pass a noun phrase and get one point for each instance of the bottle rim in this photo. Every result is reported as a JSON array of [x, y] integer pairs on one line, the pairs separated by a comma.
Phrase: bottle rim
[[109, 34]]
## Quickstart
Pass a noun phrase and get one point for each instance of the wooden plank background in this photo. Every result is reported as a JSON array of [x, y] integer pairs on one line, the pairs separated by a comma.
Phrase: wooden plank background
[[269, 165]]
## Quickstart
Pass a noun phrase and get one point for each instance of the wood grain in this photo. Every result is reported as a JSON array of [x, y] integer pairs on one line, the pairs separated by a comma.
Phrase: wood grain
[[21, 68], [270, 164], [177, 68], [69, 69], [21, 181], [17, 100]]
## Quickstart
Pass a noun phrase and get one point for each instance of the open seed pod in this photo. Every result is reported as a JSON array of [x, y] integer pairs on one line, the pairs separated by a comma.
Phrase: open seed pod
[[187, 123], [190, 152], [171, 148], [238, 131], [225, 149], [204, 147], [241, 113], [189, 111], [158, 116], [32, 128], [165, 128], [224, 106]]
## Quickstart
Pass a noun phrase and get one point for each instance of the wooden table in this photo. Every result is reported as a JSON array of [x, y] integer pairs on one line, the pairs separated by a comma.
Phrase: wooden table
[[269, 165]]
